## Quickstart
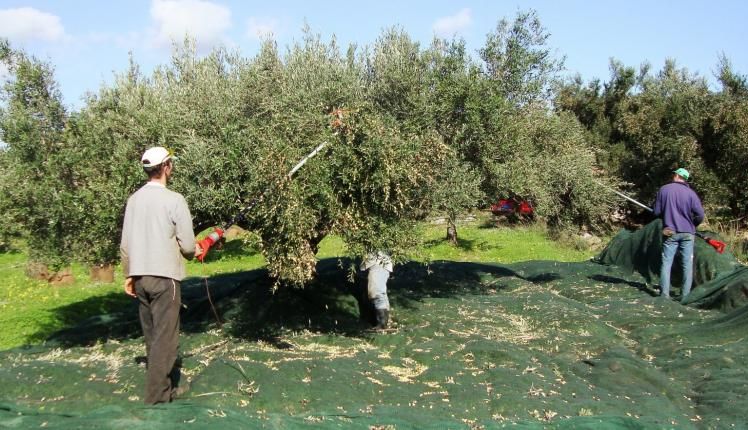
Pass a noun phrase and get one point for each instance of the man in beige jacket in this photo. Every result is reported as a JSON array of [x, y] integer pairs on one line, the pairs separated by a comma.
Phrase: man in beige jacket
[[156, 238]]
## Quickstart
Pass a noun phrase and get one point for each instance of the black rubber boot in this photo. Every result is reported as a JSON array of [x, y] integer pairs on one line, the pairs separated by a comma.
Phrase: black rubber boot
[[383, 318]]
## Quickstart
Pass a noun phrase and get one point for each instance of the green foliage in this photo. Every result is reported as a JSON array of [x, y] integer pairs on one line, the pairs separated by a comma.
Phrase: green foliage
[[409, 131], [548, 162], [725, 141], [383, 178], [733, 83], [644, 125], [661, 125], [456, 190], [9, 213], [518, 60], [451, 78], [497, 122], [395, 76], [40, 186]]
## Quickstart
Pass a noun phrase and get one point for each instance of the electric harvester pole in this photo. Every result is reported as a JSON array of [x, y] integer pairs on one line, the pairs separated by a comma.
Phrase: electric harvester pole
[[217, 233], [642, 205]]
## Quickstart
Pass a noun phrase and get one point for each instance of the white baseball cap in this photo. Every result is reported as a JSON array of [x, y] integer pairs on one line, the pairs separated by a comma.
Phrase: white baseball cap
[[155, 156]]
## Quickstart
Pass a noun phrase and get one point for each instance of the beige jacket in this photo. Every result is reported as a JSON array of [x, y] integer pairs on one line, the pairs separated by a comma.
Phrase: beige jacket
[[157, 233]]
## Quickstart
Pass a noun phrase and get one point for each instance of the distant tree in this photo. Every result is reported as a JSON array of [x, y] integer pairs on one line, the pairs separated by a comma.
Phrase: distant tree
[[450, 85], [733, 84], [660, 127], [457, 189], [395, 76], [644, 125], [548, 162], [9, 217], [41, 181], [725, 140], [518, 60]]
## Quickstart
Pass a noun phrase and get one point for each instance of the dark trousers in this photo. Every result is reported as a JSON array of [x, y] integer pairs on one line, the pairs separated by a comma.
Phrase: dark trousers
[[160, 299]]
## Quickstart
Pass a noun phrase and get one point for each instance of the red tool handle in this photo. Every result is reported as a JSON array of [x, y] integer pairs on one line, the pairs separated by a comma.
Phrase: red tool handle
[[719, 246], [209, 241]]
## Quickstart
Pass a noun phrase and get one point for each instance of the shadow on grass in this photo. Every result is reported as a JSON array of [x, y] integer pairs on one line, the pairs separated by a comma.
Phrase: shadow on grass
[[508, 220], [9, 250], [470, 245], [489, 223], [250, 310], [332, 303], [115, 317]]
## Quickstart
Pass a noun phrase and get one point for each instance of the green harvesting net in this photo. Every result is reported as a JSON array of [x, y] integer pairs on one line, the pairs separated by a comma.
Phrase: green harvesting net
[[540, 344]]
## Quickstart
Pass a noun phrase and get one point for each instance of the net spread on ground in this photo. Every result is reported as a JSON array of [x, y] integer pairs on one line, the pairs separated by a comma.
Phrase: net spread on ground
[[537, 344]]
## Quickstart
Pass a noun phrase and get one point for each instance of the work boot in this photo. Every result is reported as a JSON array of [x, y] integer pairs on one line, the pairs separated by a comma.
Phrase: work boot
[[383, 318]]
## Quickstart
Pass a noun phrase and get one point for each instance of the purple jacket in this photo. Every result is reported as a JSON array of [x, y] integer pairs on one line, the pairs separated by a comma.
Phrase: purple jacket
[[679, 207]]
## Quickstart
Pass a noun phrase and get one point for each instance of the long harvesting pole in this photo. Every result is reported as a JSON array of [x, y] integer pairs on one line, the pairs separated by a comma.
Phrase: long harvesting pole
[[252, 203], [217, 233], [640, 204]]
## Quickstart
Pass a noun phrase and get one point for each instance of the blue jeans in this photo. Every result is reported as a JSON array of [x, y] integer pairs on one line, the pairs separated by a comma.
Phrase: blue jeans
[[682, 243]]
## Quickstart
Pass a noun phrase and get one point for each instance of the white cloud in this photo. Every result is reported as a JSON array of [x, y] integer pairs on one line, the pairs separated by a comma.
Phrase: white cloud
[[26, 23], [261, 28], [204, 21], [449, 25]]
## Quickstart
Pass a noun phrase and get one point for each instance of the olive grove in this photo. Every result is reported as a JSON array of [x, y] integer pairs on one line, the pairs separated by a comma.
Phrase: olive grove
[[644, 124], [411, 131]]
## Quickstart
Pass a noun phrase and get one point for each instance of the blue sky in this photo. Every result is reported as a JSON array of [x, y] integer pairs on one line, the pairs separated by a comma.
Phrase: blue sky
[[87, 41]]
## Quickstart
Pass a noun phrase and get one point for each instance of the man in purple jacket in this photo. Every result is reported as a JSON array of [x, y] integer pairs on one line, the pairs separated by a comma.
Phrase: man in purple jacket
[[681, 211]]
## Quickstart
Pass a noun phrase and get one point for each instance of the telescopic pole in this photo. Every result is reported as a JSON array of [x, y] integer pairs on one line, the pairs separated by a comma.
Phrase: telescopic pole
[[218, 232]]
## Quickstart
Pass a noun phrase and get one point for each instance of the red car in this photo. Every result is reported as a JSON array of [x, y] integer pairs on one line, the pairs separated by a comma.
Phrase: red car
[[512, 207]]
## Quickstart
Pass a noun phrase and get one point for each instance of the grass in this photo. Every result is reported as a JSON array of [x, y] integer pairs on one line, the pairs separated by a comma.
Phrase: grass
[[733, 232], [27, 307], [480, 243]]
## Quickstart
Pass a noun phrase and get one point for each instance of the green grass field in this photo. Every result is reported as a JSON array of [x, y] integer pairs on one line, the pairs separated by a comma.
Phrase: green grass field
[[27, 307]]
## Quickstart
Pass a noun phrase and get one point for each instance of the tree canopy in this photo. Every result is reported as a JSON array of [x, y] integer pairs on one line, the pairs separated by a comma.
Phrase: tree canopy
[[643, 125], [411, 131]]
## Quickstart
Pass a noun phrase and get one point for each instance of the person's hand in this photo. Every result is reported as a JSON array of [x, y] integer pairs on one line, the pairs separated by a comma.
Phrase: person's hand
[[198, 251], [130, 287]]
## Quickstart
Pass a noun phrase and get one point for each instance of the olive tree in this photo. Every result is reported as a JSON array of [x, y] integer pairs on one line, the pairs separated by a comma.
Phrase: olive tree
[[456, 190], [518, 59], [41, 181], [9, 218], [725, 140], [239, 125]]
